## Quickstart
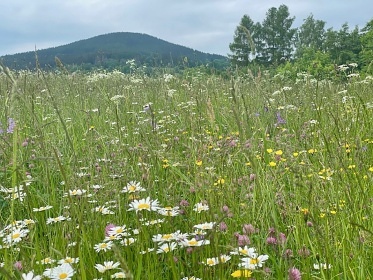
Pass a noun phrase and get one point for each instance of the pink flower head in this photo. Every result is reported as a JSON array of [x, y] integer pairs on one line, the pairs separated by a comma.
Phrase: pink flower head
[[18, 265], [242, 240], [108, 228], [223, 226], [294, 274], [248, 229]]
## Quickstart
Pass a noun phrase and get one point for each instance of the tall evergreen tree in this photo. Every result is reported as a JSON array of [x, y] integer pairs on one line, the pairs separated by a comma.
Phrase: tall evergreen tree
[[244, 43], [277, 36]]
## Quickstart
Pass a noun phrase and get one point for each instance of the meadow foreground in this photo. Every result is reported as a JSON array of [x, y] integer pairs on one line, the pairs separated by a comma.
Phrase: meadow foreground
[[108, 175]]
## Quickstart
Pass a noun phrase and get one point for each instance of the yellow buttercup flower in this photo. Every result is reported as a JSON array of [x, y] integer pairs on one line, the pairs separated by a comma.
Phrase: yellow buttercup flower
[[199, 162], [242, 273]]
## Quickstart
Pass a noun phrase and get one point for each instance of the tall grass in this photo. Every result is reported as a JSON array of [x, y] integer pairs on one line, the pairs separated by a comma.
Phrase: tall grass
[[284, 167]]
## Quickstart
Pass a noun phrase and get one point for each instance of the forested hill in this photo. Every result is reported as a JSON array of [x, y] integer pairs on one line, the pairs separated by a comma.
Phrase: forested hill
[[114, 50]]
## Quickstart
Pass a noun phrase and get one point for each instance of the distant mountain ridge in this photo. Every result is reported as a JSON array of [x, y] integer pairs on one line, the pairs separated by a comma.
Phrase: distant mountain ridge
[[113, 50]]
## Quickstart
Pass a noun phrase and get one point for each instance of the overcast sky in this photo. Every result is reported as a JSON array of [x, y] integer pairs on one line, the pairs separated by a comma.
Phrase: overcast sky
[[204, 25]]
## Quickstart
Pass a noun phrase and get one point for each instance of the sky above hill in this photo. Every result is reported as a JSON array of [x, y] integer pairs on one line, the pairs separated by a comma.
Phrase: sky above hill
[[204, 25]]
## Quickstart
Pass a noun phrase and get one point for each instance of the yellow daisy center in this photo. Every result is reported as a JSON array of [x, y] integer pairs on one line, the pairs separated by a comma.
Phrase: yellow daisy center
[[16, 235], [210, 262], [193, 242], [63, 275], [143, 206], [167, 236], [253, 261]]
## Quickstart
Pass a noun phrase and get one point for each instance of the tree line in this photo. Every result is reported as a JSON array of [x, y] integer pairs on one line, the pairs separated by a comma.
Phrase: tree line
[[310, 48]]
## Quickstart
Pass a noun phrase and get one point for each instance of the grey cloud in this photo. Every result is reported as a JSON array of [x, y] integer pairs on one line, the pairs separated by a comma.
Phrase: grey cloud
[[205, 25]]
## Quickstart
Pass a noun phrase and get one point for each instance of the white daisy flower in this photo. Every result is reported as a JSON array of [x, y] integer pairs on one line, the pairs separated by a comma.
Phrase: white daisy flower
[[144, 204], [245, 251], [118, 231], [68, 260], [133, 187], [46, 261], [63, 271], [103, 246], [199, 207], [211, 261], [322, 266], [119, 275], [169, 211], [103, 210], [43, 208], [127, 241], [56, 219], [107, 266], [253, 263], [194, 243], [77, 192], [166, 247], [30, 276], [205, 226], [15, 236]]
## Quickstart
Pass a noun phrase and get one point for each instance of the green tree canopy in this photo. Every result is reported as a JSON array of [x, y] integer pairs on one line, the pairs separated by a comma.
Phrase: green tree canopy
[[366, 53], [310, 35]]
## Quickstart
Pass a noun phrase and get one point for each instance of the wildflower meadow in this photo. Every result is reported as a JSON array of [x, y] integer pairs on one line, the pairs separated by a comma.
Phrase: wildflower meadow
[[106, 175]]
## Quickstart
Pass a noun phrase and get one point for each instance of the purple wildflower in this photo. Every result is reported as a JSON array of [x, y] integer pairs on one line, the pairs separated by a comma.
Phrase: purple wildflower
[[11, 125], [280, 120]]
